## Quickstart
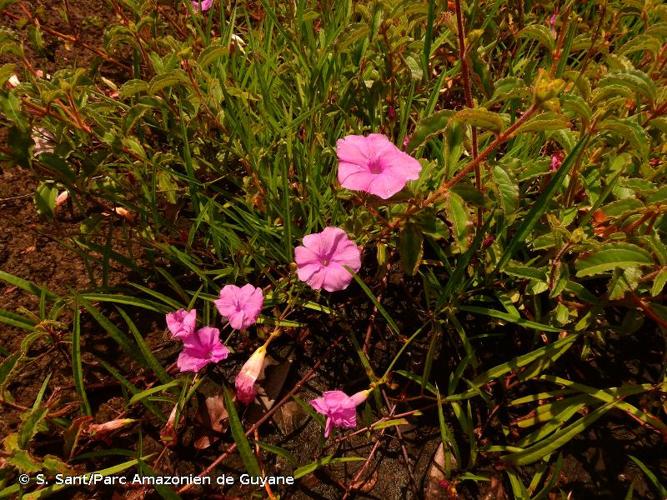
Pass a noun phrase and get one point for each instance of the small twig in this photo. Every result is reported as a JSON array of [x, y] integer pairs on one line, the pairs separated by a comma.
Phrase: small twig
[[648, 311], [399, 434], [363, 468]]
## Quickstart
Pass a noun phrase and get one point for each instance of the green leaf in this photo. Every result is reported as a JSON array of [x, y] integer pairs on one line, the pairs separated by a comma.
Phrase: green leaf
[[13, 319], [390, 321], [634, 80], [620, 208], [211, 54], [242, 444], [133, 87], [659, 282], [277, 450], [154, 390], [31, 425], [428, 127], [524, 360], [640, 43], [611, 256], [114, 332], [6, 368], [355, 33], [662, 491], [127, 300], [481, 118], [394, 422], [631, 131], [539, 365], [166, 80], [577, 106], [410, 248], [508, 190], [110, 471], [541, 34], [615, 395], [26, 285], [459, 217], [510, 318], [10, 105], [542, 203], [77, 367], [544, 122], [509, 87], [313, 466], [526, 272], [45, 198], [552, 443], [146, 351], [58, 166], [415, 69]]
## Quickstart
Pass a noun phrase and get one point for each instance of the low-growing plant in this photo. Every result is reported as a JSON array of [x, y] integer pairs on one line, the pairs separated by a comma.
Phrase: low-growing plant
[[451, 211]]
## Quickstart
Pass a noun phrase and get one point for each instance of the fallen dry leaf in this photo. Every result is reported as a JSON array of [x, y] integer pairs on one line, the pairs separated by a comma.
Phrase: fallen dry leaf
[[218, 417], [437, 486]]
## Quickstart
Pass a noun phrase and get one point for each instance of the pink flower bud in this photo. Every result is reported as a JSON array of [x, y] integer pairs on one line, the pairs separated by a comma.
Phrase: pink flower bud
[[245, 380], [182, 323], [100, 430], [556, 161], [62, 198]]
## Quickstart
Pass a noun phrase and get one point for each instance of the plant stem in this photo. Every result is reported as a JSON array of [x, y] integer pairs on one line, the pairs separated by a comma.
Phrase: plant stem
[[467, 90]]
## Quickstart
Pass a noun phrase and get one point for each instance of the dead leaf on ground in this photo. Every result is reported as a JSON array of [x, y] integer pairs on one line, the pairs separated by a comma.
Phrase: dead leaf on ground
[[289, 417], [270, 382], [437, 486], [496, 490], [365, 485], [218, 417]]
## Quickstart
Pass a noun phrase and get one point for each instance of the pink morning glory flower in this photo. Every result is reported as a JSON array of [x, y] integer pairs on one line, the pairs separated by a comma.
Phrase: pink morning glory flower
[[374, 165], [245, 380], [182, 323], [339, 408], [202, 5], [201, 348], [321, 259], [241, 306], [556, 161]]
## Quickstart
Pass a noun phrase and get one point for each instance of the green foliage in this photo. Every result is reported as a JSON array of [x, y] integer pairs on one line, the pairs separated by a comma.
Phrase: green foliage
[[215, 153]]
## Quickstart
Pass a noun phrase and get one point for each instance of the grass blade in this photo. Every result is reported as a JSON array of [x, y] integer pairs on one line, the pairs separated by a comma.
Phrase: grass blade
[[77, 367], [242, 444]]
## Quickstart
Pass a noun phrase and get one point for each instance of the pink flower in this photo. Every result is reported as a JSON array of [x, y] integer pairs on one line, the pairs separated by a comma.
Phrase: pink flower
[[201, 5], [321, 259], [339, 408], [200, 349], [182, 323], [245, 380], [556, 161], [374, 165], [13, 81], [62, 197], [241, 306], [552, 22]]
